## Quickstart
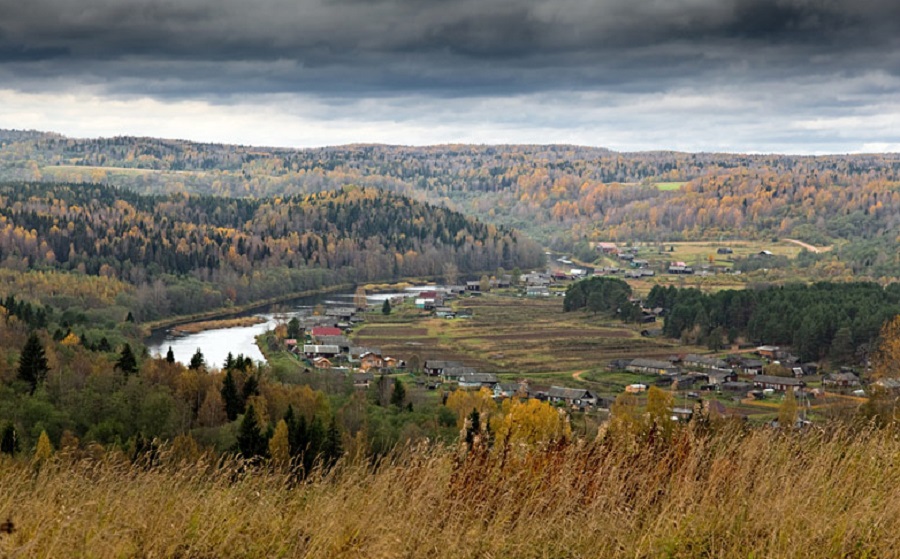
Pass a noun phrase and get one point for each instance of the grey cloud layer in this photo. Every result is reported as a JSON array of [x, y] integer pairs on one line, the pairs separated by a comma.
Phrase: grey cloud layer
[[445, 47]]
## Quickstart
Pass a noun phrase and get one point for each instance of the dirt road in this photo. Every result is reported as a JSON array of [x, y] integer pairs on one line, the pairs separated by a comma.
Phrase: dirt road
[[807, 246]]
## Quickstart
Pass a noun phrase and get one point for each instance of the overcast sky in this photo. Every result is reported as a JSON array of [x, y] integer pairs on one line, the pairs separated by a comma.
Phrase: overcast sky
[[795, 76]]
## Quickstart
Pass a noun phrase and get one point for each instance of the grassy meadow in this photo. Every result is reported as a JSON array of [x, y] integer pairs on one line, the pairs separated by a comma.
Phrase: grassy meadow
[[726, 492]]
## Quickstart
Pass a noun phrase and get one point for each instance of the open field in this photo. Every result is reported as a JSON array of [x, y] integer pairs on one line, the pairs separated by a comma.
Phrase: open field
[[111, 171], [668, 186], [515, 336], [531, 338]]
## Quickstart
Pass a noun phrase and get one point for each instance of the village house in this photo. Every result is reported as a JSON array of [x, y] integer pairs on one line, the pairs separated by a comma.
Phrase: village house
[[680, 268], [537, 291], [444, 312], [356, 352], [321, 363], [473, 286], [392, 363], [370, 360], [607, 248], [635, 388], [478, 380], [751, 366], [536, 279], [841, 380], [341, 313], [454, 373], [889, 384], [318, 331], [435, 367], [780, 384], [652, 367], [341, 342], [577, 397], [703, 362], [717, 377], [363, 380], [312, 350], [770, 351], [510, 390], [736, 387], [724, 250]]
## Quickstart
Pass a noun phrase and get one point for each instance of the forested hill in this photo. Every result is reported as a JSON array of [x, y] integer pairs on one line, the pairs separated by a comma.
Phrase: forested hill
[[238, 249], [557, 194]]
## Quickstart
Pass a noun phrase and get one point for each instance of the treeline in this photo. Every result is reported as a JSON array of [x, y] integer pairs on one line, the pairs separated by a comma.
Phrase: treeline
[[610, 296], [193, 253], [835, 321], [559, 194]]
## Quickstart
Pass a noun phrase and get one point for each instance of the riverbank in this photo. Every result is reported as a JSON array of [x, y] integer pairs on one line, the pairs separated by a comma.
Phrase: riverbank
[[194, 327], [173, 321]]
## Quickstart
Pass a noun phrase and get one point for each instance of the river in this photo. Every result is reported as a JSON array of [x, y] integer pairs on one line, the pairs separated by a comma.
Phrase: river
[[217, 344]]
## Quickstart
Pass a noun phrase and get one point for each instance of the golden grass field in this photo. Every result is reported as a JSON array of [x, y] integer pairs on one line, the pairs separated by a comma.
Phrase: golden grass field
[[734, 493]]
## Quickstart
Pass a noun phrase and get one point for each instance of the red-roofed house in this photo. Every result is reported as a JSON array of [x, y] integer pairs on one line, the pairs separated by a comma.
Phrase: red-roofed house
[[325, 331]]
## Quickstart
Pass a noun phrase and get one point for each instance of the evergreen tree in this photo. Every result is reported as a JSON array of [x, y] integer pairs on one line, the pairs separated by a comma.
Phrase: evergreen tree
[[399, 393], [234, 404], [9, 440], [315, 442], [33, 362], [293, 328], [298, 436], [386, 307], [104, 345], [250, 440], [251, 387], [197, 360], [170, 355], [334, 447], [127, 362], [229, 362], [130, 317]]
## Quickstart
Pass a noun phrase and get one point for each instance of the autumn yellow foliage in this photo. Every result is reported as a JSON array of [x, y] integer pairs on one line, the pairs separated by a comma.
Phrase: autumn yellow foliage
[[530, 422]]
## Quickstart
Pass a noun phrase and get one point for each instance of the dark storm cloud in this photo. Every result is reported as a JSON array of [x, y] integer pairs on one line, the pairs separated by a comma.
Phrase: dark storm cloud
[[448, 47]]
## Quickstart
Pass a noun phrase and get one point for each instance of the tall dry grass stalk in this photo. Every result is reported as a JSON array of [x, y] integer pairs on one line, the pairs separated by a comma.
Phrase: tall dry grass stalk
[[733, 493]]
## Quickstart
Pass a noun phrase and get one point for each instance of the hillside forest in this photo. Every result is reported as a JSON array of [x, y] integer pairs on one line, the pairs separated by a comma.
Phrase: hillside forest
[[562, 196]]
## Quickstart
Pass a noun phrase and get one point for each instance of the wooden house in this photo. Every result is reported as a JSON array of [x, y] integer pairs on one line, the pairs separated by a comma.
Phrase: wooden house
[[321, 363], [577, 397], [370, 360], [780, 384], [313, 350], [652, 367], [478, 380], [435, 367], [363, 380]]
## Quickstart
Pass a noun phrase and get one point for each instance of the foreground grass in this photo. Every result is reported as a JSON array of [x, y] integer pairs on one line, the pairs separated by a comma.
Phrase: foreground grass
[[758, 493]]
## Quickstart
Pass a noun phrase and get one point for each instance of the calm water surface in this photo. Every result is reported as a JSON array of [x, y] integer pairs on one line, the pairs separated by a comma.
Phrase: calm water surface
[[216, 344]]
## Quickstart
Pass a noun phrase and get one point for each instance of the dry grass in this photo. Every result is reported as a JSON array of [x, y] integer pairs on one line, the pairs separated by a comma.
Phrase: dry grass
[[737, 493]]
